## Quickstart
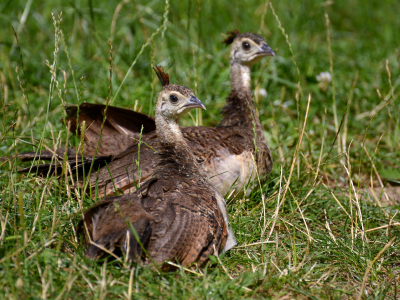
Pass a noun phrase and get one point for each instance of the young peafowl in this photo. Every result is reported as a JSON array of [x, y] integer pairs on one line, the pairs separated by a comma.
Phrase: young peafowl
[[177, 214]]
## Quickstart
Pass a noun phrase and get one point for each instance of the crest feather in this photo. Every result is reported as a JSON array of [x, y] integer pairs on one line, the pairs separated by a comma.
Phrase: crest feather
[[162, 76], [231, 36]]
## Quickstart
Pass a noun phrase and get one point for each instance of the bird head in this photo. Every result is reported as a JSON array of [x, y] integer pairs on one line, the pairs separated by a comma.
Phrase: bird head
[[247, 48], [175, 100]]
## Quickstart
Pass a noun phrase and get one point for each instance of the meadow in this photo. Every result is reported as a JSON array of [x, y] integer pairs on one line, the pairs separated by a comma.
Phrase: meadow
[[326, 225]]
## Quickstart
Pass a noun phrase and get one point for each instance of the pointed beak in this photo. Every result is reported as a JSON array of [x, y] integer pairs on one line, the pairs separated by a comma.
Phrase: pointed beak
[[265, 50], [194, 102]]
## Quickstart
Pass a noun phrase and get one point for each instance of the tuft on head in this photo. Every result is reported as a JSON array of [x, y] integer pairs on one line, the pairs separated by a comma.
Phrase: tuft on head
[[231, 36], [164, 79], [162, 76]]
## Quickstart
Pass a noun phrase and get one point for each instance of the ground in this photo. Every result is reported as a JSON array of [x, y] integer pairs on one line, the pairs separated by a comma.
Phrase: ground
[[326, 223]]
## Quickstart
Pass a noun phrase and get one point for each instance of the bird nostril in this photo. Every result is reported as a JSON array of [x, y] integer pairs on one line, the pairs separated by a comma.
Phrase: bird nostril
[[267, 49]]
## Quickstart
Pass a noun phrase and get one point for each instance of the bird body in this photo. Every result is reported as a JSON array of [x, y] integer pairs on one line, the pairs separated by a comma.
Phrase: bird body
[[177, 214], [172, 220]]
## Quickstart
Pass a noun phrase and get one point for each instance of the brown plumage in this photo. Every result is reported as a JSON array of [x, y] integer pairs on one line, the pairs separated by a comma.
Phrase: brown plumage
[[177, 215], [226, 153], [121, 130], [118, 125]]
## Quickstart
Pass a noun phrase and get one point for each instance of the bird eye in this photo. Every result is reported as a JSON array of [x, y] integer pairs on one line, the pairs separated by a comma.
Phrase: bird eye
[[173, 98], [246, 46]]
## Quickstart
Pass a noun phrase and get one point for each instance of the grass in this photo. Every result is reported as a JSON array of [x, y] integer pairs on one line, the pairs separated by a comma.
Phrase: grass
[[320, 232]]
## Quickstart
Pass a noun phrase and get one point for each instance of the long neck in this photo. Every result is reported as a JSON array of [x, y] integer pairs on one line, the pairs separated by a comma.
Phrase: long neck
[[239, 109], [168, 130], [240, 80], [174, 151]]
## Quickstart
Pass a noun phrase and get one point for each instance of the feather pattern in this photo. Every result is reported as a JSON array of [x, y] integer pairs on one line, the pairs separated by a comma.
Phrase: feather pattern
[[177, 214]]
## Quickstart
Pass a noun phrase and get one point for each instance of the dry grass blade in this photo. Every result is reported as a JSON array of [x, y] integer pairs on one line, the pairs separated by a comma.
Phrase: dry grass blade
[[370, 266], [296, 152], [379, 178], [383, 227]]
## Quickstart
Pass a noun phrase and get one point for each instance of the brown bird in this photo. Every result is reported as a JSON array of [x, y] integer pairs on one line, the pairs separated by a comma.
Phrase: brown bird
[[227, 153], [177, 214]]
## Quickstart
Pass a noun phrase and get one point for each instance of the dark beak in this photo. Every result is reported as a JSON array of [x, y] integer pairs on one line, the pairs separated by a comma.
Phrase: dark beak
[[194, 102], [266, 50]]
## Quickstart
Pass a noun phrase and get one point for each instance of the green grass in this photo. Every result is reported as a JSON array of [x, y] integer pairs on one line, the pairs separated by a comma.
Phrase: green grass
[[316, 248]]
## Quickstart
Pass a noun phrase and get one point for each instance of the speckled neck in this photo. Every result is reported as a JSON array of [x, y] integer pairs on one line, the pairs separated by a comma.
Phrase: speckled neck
[[174, 150], [168, 130], [239, 109], [240, 80]]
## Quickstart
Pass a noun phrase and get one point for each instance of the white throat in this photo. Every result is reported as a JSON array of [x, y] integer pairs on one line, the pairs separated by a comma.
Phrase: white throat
[[245, 72]]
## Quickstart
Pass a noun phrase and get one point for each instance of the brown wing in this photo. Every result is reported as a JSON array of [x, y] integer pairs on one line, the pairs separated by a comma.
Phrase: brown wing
[[212, 147], [121, 128], [188, 223], [121, 131], [118, 120], [175, 219], [225, 154], [121, 174]]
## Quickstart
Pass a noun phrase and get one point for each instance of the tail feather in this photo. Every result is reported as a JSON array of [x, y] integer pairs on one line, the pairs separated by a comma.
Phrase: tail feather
[[75, 162], [45, 155], [42, 169], [45, 168]]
